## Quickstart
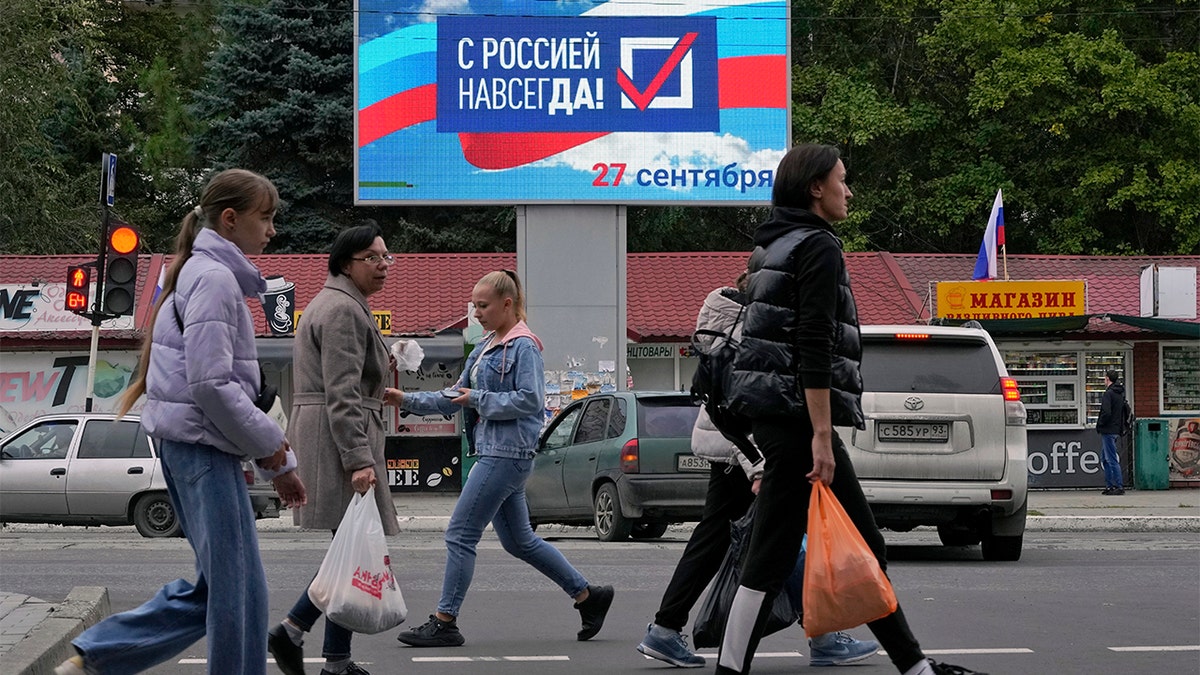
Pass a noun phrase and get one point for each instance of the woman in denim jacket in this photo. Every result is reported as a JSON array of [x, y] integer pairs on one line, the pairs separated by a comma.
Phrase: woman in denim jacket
[[502, 394]]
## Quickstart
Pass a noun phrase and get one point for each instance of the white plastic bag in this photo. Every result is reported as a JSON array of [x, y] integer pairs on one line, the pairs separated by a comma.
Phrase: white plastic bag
[[355, 587]]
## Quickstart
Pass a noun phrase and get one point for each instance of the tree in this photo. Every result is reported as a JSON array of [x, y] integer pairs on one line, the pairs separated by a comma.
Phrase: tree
[[93, 77]]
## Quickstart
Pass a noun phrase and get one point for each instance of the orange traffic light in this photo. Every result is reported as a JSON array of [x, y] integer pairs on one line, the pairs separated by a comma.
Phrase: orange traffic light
[[78, 286], [123, 239], [120, 269]]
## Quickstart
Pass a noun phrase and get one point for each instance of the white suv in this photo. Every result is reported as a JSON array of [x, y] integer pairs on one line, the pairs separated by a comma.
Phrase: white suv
[[945, 438]]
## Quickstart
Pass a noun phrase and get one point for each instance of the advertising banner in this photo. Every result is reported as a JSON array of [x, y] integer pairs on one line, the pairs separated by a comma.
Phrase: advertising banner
[[423, 464], [1069, 458], [523, 101], [1184, 455], [40, 383], [40, 308], [1010, 299]]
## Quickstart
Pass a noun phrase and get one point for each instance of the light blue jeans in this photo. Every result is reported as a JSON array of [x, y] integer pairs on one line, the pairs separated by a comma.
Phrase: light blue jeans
[[227, 603], [495, 492], [1111, 462]]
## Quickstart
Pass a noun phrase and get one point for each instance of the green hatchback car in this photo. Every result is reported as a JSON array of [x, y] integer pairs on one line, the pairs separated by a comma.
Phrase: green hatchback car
[[622, 462]]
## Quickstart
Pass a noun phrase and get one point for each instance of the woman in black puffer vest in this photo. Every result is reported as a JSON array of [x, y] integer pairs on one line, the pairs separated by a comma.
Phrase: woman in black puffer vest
[[796, 376]]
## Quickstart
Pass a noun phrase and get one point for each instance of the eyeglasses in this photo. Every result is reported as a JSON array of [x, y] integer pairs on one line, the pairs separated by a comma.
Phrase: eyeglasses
[[376, 259]]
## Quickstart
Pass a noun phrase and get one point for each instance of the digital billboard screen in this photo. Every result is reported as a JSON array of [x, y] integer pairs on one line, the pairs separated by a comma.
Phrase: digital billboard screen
[[533, 101]]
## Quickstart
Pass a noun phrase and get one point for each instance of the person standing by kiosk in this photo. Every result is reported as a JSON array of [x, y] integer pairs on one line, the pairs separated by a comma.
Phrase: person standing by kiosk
[[1111, 425]]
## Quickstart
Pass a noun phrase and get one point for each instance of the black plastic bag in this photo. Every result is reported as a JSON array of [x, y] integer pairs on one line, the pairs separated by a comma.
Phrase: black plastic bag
[[709, 625]]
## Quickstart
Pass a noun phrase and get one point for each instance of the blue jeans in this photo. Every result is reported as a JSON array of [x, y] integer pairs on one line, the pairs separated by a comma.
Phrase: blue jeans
[[1111, 462], [228, 602], [495, 492], [337, 638]]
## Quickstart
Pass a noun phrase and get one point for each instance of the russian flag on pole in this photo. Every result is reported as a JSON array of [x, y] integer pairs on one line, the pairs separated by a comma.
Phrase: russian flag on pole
[[158, 286], [993, 239]]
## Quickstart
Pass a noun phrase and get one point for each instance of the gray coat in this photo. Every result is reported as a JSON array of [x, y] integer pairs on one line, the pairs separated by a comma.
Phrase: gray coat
[[336, 425]]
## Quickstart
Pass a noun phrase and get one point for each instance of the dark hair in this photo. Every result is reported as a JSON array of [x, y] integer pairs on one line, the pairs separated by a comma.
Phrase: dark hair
[[348, 242], [802, 166], [237, 189], [1113, 376]]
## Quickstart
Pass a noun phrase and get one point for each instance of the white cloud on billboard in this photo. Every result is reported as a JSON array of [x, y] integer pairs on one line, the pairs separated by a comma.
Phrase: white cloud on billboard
[[431, 9]]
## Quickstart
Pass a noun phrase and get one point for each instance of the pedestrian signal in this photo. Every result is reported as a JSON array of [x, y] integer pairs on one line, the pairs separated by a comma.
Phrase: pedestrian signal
[[120, 269], [79, 280]]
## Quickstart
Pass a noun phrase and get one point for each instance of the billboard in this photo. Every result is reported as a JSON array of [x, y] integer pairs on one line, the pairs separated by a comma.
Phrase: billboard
[[527, 101]]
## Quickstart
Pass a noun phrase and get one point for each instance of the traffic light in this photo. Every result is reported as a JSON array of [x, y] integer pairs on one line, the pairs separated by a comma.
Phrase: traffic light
[[120, 269], [79, 280]]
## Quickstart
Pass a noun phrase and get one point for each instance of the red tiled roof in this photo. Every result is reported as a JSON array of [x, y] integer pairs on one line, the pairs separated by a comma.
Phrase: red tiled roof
[[428, 293], [665, 290], [30, 269]]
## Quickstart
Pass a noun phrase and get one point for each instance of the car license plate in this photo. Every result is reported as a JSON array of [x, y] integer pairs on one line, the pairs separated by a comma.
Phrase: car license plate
[[691, 463], [917, 432]]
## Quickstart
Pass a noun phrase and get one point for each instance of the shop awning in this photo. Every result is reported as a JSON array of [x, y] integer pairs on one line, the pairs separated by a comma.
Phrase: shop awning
[[447, 348], [1170, 326], [1054, 324], [1059, 324]]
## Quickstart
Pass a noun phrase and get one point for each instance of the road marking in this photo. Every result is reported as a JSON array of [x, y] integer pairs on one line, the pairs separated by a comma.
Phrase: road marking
[[467, 659], [1164, 648], [757, 655], [201, 662], [997, 650]]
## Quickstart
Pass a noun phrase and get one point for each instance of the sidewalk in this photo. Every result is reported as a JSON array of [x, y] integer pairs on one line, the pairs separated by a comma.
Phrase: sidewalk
[[35, 635]]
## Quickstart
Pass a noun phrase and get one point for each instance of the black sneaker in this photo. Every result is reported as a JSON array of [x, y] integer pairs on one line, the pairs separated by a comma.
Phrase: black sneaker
[[434, 633], [289, 656], [352, 669], [593, 610], [949, 669]]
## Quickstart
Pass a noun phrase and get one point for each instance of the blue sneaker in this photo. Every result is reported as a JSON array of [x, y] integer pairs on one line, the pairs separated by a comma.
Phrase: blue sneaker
[[836, 649], [669, 645]]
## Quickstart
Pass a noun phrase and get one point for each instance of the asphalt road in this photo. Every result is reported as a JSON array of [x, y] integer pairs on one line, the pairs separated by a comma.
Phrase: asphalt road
[[1083, 602]]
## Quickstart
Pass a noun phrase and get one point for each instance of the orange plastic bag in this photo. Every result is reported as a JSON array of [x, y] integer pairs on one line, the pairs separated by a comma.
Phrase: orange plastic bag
[[843, 584]]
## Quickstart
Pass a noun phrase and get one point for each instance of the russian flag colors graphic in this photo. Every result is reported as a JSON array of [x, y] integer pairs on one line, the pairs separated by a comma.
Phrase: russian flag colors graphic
[[522, 101]]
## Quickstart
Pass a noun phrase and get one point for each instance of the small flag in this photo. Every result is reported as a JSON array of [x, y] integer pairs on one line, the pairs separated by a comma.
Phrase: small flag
[[158, 286], [993, 240]]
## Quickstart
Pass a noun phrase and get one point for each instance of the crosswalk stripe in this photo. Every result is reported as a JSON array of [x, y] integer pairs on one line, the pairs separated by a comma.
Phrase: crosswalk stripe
[[467, 659], [1163, 648]]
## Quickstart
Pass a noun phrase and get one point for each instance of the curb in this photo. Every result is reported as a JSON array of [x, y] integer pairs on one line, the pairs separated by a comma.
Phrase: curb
[[1112, 523], [49, 643]]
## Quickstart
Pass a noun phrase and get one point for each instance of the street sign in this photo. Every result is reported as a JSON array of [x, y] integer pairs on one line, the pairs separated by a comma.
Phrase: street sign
[[108, 178]]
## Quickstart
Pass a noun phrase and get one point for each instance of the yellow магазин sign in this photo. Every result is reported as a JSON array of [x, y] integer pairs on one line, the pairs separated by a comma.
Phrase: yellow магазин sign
[[1010, 299]]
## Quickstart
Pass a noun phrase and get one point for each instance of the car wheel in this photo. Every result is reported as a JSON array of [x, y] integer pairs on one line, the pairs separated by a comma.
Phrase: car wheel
[[611, 524], [648, 530], [154, 516], [1002, 548], [957, 535]]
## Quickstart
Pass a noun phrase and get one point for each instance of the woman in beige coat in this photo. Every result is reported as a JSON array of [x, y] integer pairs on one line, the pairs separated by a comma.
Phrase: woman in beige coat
[[340, 363]]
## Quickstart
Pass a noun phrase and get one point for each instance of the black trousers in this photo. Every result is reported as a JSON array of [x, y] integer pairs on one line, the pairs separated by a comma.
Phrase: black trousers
[[727, 499], [779, 525]]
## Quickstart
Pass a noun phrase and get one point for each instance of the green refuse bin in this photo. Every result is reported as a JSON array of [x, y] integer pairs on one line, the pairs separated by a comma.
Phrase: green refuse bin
[[1151, 444]]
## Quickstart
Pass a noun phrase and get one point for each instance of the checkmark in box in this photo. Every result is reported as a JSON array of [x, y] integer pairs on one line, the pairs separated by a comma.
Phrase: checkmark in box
[[679, 56]]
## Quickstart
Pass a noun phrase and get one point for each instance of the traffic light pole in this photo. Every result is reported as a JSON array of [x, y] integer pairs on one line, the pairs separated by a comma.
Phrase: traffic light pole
[[97, 312]]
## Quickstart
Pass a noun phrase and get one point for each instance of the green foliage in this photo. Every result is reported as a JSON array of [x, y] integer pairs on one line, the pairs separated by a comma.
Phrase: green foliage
[[1087, 115]]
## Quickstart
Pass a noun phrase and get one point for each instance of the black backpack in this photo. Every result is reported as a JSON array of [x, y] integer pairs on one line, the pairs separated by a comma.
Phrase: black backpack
[[716, 352]]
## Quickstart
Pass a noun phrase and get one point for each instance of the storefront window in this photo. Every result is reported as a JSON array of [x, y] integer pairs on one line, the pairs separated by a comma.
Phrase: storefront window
[[1180, 370], [1054, 387], [1099, 363]]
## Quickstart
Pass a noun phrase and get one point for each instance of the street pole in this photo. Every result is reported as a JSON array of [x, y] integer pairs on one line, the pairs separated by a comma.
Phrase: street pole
[[108, 175]]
